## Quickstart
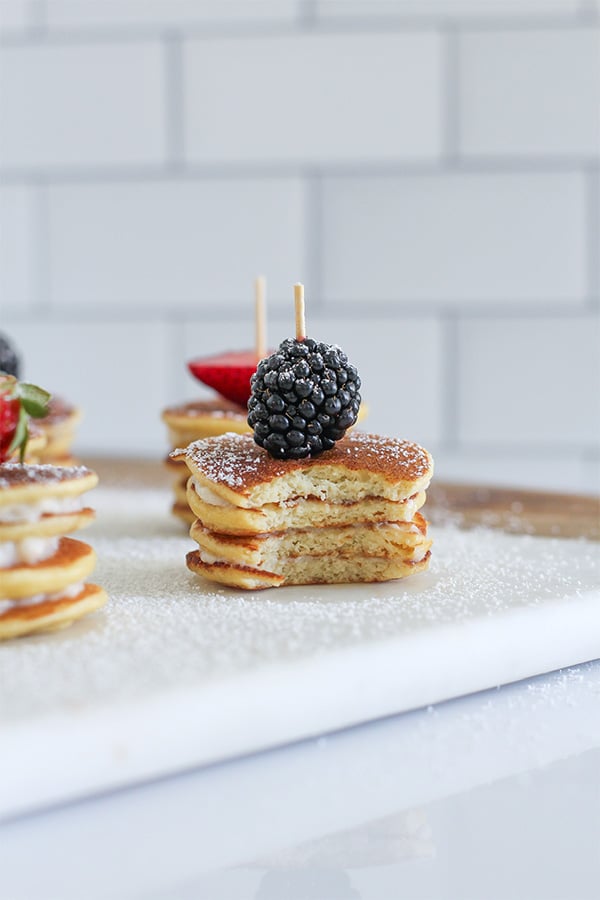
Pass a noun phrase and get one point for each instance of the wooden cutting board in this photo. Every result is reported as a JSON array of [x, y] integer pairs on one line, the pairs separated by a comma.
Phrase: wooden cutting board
[[176, 672]]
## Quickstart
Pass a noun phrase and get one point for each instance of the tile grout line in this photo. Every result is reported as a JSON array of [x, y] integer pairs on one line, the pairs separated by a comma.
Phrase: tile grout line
[[592, 220], [187, 171], [450, 95], [38, 19], [40, 250], [450, 387], [174, 102], [298, 25], [313, 239]]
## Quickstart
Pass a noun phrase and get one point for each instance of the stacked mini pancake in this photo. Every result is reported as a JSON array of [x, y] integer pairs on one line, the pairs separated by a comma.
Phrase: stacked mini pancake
[[42, 572], [188, 422], [348, 515], [59, 427]]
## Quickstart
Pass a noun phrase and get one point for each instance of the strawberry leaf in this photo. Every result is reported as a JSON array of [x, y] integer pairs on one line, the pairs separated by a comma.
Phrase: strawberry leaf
[[34, 400], [21, 436]]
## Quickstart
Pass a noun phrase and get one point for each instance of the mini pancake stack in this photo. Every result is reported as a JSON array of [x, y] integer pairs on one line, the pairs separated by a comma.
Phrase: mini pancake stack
[[59, 427], [42, 572], [189, 422], [347, 515]]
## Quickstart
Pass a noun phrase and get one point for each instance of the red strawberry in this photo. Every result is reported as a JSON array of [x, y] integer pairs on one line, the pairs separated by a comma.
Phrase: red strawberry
[[228, 373], [17, 403], [9, 419]]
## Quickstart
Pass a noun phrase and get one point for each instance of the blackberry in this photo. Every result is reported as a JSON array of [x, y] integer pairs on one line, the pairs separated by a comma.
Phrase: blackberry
[[9, 361], [303, 399]]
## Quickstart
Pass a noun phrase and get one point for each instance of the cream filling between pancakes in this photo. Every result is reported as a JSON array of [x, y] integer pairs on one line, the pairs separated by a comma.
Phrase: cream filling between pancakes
[[66, 594], [33, 512], [30, 550]]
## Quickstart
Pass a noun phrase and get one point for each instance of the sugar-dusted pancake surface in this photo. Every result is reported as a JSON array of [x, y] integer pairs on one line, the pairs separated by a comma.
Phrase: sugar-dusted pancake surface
[[36, 483], [360, 465]]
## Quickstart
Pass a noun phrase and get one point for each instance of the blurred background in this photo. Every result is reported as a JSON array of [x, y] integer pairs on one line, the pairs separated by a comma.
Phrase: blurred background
[[429, 170]]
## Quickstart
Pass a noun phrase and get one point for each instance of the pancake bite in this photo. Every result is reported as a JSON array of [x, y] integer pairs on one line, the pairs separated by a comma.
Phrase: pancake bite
[[300, 501]]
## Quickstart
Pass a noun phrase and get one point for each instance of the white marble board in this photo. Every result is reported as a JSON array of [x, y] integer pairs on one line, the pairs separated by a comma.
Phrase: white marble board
[[176, 673]]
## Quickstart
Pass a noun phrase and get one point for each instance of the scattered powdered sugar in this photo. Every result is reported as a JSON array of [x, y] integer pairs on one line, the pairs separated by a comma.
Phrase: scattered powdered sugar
[[164, 628]]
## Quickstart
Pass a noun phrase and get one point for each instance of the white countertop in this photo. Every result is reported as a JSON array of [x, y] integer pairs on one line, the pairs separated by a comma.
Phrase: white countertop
[[496, 795]]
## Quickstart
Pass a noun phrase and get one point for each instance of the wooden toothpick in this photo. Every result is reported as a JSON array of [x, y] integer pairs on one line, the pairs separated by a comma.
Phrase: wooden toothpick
[[260, 312], [299, 305]]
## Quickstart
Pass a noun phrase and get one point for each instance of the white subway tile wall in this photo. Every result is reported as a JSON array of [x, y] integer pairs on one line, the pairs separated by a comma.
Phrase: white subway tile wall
[[529, 93], [313, 99], [429, 168], [67, 105], [17, 246], [166, 244], [478, 238]]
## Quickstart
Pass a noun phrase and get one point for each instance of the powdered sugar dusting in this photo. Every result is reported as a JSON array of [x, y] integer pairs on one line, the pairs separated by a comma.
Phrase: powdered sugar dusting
[[236, 461], [17, 475], [166, 629]]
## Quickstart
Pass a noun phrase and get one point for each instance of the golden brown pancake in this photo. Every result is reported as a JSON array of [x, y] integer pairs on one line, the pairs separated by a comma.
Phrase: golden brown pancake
[[72, 562], [272, 552], [307, 570], [204, 418], [59, 427], [49, 525], [33, 484], [361, 465], [50, 614]]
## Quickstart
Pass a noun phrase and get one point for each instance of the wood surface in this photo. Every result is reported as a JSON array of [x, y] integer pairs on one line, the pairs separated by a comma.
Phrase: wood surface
[[513, 510]]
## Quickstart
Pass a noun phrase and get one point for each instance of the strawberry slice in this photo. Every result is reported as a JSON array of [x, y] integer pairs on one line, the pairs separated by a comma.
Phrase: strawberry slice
[[228, 373], [17, 403]]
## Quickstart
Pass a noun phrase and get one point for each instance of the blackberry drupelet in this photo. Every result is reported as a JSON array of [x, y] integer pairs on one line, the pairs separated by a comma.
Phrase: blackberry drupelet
[[304, 398], [9, 361]]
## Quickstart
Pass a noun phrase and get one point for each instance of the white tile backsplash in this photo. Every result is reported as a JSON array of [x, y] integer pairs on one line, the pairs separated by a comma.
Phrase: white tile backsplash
[[475, 238], [530, 92], [17, 212], [165, 244], [313, 98], [429, 168], [70, 105], [116, 372], [15, 16], [530, 381]]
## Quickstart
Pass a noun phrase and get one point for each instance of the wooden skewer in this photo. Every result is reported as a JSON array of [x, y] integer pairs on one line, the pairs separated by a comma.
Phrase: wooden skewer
[[260, 312], [299, 305]]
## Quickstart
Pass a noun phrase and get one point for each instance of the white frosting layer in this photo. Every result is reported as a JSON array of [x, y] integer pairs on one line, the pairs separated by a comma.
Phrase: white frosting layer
[[30, 550], [33, 512], [72, 591], [209, 496]]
